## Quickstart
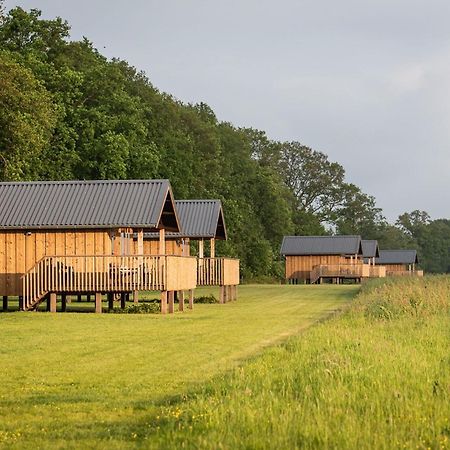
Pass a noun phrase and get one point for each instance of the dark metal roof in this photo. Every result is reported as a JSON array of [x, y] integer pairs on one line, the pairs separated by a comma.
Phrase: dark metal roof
[[87, 204], [321, 245], [198, 219], [370, 248], [397, 257]]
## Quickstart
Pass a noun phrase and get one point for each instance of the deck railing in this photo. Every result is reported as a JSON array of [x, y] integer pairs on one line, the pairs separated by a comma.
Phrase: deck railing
[[217, 272], [404, 273], [377, 271], [104, 273], [339, 271]]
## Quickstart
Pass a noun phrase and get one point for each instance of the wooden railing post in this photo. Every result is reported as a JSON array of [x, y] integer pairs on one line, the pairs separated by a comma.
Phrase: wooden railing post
[[163, 302], [191, 299], [180, 300], [52, 302], [98, 302]]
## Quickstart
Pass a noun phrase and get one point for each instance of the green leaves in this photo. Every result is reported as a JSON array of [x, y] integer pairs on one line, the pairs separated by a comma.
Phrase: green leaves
[[27, 119]]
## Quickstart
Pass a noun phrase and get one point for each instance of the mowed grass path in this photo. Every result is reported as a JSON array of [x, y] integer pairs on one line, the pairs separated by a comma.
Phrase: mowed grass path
[[91, 381]]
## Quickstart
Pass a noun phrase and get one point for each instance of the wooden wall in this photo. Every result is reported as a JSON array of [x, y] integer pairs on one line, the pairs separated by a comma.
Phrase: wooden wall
[[396, 267], [299, 267], [19, 252], [173, 247]]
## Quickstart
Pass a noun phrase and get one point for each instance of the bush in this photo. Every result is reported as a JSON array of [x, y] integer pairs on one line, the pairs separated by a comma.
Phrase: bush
[[206, 299], [141, 308]]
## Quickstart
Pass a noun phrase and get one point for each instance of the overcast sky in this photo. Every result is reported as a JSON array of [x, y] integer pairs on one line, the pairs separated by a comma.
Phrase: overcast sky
[[365, 81]]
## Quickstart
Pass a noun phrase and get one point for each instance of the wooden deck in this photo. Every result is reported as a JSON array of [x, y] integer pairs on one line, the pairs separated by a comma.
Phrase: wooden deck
[[103, 274], [339, 272], [217, 272]]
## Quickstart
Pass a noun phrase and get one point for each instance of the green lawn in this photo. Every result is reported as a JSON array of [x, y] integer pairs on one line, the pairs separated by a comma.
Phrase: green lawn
[[73, 380]]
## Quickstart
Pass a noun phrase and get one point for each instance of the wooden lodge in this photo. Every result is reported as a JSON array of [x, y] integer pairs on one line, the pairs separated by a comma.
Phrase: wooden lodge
[[399, 262], [76, 237], [313, 259], [202, 222], [371, 251]]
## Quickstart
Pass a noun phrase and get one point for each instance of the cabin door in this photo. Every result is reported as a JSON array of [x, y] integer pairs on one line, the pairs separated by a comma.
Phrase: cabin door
[[126, 243]]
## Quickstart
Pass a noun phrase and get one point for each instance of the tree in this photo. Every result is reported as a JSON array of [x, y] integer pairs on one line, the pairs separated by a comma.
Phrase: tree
[[359, 214], [316, 183], [27, 118]]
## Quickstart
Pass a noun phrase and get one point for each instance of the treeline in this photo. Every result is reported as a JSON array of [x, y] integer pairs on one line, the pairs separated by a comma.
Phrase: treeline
[[67, 112]]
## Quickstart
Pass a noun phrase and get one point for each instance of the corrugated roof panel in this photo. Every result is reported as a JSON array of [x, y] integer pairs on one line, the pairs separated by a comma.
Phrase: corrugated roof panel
[[321, 245], [370, 248], [56, 204], [397, 257], [198, 219]]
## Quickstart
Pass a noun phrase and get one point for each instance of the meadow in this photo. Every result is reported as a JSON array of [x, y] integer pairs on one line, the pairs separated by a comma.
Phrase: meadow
[[74, 380], [375, 377], [252, 374]]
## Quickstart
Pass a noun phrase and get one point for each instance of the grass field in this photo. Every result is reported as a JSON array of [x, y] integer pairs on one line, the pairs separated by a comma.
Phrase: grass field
[[376, 377], [100, 381]]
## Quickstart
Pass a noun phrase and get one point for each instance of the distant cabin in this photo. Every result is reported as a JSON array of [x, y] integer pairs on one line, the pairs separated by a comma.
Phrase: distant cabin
[[313, 258], [200, 220], [371, 252], [399, 262]]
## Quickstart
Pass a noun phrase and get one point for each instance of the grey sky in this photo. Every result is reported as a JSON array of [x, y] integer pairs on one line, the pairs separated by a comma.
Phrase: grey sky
[[366, 82]]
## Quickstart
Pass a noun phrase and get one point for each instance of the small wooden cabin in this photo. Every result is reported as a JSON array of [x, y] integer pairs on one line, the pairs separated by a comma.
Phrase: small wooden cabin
[[201, 221], [371, 251], [399, 262], [77, 237], [310, 259]]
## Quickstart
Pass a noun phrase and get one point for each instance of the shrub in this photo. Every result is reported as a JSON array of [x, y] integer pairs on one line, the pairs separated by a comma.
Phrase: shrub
[[141, 308], [206, 299]]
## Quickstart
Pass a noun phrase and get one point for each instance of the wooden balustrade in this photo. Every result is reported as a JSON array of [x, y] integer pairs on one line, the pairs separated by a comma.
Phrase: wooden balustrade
[[404, 273], [377, 271], [339, 271], [106, 273], [217, 272]]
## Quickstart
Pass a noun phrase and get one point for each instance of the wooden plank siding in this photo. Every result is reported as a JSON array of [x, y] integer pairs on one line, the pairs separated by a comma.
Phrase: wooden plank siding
[[20, 251], [299, 267], [173, 247]]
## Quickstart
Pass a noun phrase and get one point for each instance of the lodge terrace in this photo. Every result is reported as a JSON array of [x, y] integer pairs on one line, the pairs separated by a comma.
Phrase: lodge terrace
[[201, 221], [87, 237]]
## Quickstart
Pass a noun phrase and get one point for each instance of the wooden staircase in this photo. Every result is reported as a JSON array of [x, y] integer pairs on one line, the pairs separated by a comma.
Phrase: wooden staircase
[[315, 275], [35, 286]]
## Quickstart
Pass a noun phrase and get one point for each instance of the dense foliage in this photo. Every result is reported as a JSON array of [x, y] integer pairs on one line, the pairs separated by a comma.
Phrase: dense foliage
[[67, 112]]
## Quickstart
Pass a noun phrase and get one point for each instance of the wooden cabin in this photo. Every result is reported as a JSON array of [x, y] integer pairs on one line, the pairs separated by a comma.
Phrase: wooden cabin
[[76, 237], [399, 262], [371, 251], [201, 221], [312, 259]]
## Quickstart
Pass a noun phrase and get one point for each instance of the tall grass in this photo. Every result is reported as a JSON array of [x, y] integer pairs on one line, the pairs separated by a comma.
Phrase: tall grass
[[376, 377]]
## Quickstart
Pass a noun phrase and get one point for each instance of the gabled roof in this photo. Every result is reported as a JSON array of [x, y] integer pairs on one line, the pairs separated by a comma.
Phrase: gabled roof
[[370, 248], [198, 219], [321, 245], [397, 257], [145, 204]]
